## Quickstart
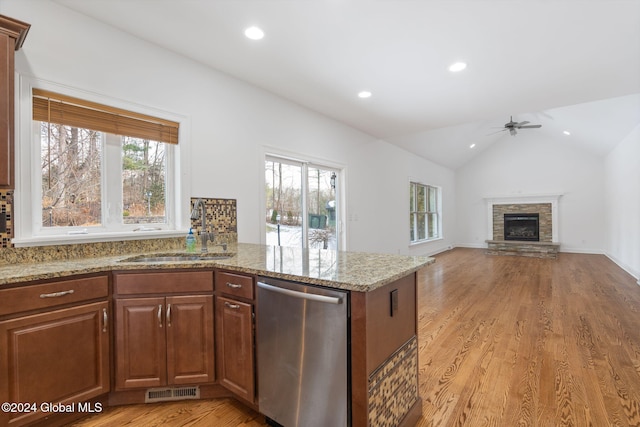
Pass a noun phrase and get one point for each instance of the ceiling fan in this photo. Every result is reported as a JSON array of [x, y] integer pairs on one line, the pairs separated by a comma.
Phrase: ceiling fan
[[513, 127]]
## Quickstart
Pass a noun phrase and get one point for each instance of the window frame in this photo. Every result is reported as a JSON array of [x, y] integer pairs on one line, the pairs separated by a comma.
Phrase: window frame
[[29, 230], [306, 162], [428, 214]]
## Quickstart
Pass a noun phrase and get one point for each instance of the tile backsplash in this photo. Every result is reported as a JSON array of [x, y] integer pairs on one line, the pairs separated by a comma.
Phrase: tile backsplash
[[6, 210], [222, 219]]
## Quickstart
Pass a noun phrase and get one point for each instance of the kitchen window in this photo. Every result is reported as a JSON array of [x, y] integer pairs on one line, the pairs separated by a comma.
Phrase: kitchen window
[[97, 173], [424, 212]]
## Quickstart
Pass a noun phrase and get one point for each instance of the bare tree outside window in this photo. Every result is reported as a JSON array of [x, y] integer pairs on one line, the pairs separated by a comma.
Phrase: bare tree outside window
[[289, 221], [321, 208], [143, 181], [72, 169], [71, 177], [284, 197]]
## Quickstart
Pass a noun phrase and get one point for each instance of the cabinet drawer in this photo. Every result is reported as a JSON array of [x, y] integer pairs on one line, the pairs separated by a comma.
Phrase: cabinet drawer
[[34, 297], [165, 283], [234, 284]]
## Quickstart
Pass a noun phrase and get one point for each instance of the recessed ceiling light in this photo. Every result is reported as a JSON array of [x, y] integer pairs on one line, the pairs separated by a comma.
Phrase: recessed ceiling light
[[254, 33], [566, 132], [457, 66], [364, 94], [472, 145]]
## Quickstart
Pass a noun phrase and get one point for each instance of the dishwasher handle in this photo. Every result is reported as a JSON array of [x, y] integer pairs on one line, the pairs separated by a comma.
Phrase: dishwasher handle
[[301, 295]]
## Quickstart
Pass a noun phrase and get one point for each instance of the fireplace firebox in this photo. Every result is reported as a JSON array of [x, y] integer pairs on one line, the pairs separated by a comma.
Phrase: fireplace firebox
[[522, 226]]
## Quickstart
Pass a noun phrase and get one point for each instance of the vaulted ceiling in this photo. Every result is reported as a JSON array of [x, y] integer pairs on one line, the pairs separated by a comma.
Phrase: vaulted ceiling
[[566, 64]]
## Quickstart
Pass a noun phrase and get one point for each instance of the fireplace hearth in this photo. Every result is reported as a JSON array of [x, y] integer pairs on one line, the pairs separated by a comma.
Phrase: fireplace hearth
[[522, 227]]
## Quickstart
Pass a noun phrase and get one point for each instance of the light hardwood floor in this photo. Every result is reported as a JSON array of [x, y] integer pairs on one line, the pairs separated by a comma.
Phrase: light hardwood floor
[[504, 341]]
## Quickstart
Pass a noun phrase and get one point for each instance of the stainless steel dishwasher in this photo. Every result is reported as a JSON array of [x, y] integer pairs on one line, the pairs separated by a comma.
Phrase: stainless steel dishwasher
[[302, 346]]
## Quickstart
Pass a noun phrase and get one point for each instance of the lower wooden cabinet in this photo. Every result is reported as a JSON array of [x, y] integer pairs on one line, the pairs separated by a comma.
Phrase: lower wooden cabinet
[[163, 341], [190, 340], [61, 356], [235, 332], [167, 329]]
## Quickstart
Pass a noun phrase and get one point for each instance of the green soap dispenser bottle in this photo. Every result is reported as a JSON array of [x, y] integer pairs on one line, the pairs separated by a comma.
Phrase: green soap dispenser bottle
[[191, 241]]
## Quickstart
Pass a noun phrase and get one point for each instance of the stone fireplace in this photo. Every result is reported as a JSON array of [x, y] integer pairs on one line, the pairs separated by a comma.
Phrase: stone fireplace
[[525, 226], [543, 211]]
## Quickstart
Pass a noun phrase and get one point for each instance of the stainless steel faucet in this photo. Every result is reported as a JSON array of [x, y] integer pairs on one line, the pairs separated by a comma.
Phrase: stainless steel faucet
[[204, 234], [223, 245]]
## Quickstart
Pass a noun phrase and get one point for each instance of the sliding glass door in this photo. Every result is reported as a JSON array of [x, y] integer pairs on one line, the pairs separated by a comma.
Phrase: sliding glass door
[[302, 206]]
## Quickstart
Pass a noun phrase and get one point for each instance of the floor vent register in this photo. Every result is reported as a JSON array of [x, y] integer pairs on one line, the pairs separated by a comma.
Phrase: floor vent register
[[172, 393]]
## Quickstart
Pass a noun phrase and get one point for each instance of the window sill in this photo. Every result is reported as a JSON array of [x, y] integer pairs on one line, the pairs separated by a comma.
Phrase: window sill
[[96, 237], [421, 242]]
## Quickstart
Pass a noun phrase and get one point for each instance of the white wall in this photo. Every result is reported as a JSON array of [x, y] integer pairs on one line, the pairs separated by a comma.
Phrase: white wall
[[622, 187], [231, 123], [378, 213], [529, 165]]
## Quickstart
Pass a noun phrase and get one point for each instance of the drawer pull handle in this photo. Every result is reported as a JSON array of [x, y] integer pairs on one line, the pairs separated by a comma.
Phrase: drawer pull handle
[[234, 285], [57, 294], [168, 315], [105, 319], [160, 315], [233, 306]]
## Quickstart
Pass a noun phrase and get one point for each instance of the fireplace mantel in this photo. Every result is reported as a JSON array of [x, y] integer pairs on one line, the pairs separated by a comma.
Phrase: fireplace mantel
[[553, 199]]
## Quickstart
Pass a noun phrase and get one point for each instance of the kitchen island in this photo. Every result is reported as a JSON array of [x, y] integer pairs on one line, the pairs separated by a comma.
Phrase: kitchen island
[[354, 271], [383, 370]]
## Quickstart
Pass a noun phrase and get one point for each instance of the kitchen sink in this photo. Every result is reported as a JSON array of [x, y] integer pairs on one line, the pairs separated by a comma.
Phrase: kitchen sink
[[178, 258]]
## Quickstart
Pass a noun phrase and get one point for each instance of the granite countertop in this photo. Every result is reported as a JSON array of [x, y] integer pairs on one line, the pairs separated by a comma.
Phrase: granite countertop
[[354, 271]]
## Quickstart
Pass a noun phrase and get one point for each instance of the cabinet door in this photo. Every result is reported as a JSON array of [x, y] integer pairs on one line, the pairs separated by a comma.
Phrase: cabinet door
[[190, 342], [12, 34], [140, 343], [234, 323], [6, 111], [60, 356]]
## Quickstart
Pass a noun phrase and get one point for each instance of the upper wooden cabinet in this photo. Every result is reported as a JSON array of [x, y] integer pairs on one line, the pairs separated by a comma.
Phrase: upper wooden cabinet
[[12, 35]]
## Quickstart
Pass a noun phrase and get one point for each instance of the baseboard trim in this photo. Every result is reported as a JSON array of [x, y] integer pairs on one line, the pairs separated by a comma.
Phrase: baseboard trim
[[635, 274], [471, 245], [581, 251]]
